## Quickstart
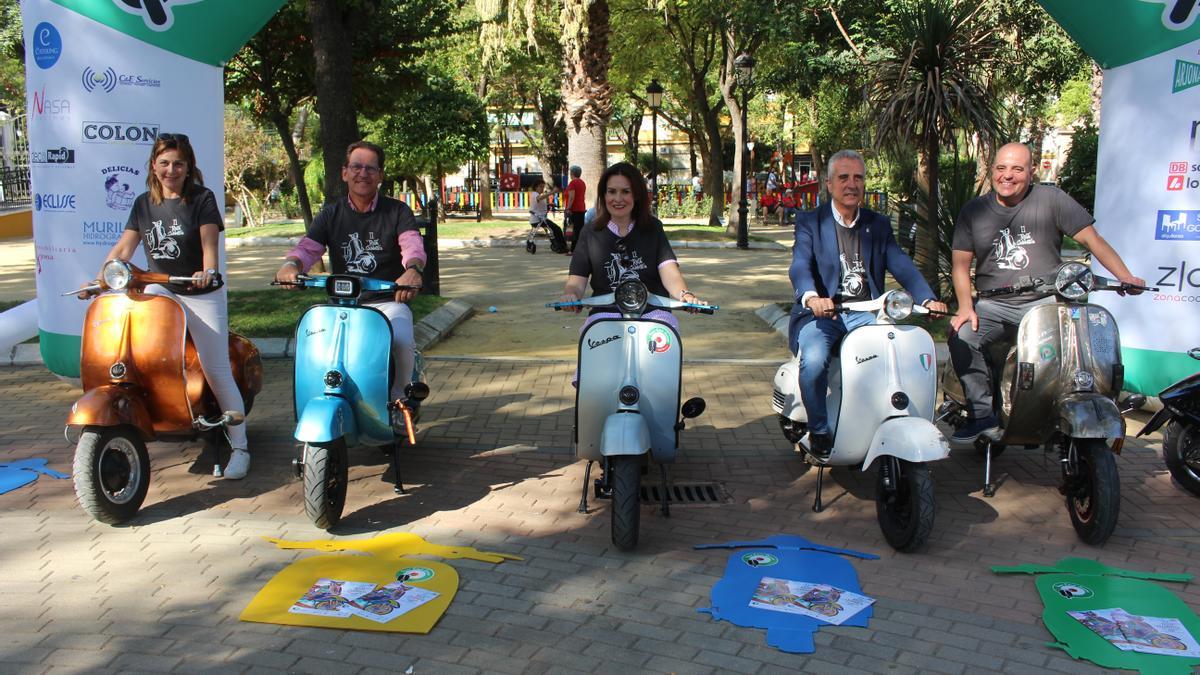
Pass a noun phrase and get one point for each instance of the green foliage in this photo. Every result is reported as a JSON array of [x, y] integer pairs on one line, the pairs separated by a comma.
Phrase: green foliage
[[314, 180], [274, 312], [437, 130], [647, 163], [669, 205], [1074, 102], [1078, 175], [957, 187], [12, 58]]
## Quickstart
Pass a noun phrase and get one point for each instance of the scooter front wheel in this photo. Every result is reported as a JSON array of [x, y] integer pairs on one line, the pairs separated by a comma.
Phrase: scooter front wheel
[[1181, 452], [111, 472], [325, 476], [905, 509], [626, 482], [1094, 494]]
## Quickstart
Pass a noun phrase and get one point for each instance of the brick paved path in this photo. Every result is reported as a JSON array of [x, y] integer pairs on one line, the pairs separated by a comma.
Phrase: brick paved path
[[494, 470]]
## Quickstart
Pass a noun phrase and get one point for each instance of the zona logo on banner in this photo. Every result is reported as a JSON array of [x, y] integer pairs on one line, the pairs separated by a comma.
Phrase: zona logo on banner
[[106, 80], [156, 14], [1187, 75], [54, 201], [141, 133], [118, 186], [47, 45], [1178, 226]]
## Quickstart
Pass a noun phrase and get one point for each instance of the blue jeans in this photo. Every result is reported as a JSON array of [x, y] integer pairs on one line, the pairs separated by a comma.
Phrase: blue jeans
[[817, 340]]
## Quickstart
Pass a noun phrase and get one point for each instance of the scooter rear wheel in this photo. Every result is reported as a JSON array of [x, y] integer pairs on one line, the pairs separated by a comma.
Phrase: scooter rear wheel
[[626, 482], [1094, 494], [905, 513], [111, 472], [1181, 452], [325, 476]]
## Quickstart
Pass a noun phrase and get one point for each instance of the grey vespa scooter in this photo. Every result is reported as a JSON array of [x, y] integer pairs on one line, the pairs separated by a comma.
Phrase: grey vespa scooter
[[627, 410], [1057, 388]]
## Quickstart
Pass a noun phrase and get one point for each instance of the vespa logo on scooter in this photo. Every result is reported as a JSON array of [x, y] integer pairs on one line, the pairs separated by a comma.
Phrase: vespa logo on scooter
[[864, 359], [592, 344]]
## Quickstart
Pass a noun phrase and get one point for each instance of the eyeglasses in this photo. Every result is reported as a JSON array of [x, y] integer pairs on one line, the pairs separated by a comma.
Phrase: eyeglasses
[[180, 138], [363, 168]]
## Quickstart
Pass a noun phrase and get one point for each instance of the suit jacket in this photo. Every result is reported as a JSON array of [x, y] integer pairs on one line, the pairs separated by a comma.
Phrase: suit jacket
[[816, 266]]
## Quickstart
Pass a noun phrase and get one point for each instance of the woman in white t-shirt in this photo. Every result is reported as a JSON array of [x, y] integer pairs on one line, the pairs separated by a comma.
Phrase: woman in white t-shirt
[[539, 202]]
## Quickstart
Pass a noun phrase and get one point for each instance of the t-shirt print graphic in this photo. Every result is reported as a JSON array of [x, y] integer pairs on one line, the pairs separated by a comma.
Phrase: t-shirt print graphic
[[159, 241], [618, 272], [358, 259], [1009, 252], [851, 285]]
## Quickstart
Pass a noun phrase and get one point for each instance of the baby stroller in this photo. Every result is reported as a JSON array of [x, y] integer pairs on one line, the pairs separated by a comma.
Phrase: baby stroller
[[546, 227]]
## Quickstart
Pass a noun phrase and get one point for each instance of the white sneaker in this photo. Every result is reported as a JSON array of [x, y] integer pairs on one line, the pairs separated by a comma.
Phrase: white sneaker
[[239, 465]]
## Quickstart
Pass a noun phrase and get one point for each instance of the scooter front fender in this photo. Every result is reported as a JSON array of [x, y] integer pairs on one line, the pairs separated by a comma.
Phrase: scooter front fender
[[1089, 416], [326, 418], [914, 439], [110, 405], [624, 434]]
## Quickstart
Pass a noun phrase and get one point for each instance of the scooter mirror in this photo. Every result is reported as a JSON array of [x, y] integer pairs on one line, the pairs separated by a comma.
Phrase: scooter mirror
[[417, 391], [232, 419], [1132, 402], [693, 407]]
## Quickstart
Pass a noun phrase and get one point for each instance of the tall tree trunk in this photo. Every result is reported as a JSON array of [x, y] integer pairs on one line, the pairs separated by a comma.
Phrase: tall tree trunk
[[1097, 90], [332, 42], [928, 233], [731, 94], [587, 93], [485, 167], [714, 167], [297, 173]]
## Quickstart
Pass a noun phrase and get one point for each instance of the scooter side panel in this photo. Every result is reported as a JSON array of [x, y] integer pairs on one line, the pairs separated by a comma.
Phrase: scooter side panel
[[357, 342], [877, 361], [654, 366]]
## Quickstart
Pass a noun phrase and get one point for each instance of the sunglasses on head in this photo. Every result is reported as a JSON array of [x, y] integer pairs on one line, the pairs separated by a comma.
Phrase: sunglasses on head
[[173, 137]]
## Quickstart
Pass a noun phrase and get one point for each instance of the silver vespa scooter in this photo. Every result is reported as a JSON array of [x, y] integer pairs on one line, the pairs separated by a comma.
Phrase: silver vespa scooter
[[887, 376], [627, 410], [1057, 388]]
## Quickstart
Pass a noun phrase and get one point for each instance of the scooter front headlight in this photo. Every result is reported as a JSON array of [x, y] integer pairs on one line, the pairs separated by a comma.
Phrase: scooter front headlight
[[898, 306], [631, 297], [1074, 280], [116, 274]]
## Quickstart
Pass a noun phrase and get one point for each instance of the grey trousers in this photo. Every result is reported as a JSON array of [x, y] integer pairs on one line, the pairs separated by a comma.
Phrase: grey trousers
[[998, 321]]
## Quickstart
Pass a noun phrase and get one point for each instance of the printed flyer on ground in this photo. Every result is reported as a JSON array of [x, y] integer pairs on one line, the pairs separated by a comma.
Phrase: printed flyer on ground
[[341, 599], [819, 601], [1145, 634], [330, 597]]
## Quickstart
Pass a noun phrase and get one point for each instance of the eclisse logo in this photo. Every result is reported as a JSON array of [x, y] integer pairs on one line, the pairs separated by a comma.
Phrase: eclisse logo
[[54, 201]]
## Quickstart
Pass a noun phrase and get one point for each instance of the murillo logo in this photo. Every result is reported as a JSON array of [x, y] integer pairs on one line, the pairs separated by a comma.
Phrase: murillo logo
[[1187, 75], [1178, 14], [140, 133], [156, 14], [47, 45], [106, 79]]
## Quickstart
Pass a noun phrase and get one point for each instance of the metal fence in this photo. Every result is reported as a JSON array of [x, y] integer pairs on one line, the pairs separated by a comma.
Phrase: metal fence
[[14, 161], [14, 186]]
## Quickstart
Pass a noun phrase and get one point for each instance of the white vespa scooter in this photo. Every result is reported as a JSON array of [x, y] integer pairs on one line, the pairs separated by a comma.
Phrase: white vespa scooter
[[887, 376], [627, 410]]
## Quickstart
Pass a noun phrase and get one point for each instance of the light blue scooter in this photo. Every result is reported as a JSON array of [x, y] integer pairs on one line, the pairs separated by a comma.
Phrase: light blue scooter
[[627, 409], [342, 383]]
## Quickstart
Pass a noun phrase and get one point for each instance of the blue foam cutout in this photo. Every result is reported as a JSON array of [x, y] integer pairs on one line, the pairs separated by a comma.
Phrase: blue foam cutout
[[797, 559], [18, 474]]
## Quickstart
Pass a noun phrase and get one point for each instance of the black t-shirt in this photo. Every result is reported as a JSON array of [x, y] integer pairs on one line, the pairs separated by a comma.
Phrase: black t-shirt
[[609, 259], [852, 285], [170, 233], [1014, 241], [364, 244]]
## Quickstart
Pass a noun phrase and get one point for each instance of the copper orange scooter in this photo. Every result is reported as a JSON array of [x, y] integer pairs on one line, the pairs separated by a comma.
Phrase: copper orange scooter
[[142, 382]]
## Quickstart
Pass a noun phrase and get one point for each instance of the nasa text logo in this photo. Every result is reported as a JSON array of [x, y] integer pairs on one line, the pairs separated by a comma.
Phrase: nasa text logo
[[138, 133], [156, 14], [54, 202], [105, 79], [1177, 226], [47, 45], [59, 156], [44, 106], [119, 190]]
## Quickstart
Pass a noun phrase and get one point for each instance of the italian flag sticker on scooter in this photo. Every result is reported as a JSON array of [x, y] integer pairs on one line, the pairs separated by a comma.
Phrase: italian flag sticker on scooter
[[658, 340]]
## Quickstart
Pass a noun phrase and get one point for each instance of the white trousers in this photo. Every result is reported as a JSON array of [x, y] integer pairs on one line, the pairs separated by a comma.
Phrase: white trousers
[[208, 324], [403, 343]]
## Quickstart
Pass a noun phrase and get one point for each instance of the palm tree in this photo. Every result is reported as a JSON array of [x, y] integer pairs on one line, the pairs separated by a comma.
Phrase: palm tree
[[931, 89], [586, 92]]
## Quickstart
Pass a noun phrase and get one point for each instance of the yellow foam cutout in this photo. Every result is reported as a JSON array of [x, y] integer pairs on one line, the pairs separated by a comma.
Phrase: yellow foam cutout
[[395, 544]]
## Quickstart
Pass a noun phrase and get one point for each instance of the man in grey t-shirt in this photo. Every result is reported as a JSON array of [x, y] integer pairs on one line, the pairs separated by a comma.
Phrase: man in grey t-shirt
[[1016, 230]]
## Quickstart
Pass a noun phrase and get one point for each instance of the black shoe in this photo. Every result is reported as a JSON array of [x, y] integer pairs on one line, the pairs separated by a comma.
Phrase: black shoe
[[397, 417], [820, 446], [976, 428]]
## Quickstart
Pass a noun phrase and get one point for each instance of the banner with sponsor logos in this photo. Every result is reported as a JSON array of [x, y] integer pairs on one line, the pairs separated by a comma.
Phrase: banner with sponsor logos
[[1148, 172], [103, 79]]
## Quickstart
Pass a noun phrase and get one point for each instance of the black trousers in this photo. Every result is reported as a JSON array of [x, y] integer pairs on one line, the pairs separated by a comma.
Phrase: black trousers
[[576, 220]]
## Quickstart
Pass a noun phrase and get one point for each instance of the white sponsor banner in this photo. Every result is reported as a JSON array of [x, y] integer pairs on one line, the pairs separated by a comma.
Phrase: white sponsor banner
[[96, 100], [1148, 207]]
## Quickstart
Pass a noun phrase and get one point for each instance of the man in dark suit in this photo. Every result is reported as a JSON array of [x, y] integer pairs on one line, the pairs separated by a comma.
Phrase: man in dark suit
[[841, 254]]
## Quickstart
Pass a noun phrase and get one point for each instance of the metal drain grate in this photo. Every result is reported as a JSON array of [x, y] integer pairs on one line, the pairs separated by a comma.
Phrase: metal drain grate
[[687, 494]]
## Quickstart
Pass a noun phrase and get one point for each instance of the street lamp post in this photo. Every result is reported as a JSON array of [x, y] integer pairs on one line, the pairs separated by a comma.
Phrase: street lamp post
[[744, 74], [654, 94]]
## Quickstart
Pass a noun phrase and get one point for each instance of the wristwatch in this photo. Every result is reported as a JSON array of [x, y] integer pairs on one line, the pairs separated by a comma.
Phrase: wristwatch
[[416, 266], [210, 272]]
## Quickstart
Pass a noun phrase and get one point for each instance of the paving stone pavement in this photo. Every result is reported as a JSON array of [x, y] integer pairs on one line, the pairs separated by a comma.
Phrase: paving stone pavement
[[493, 469]]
